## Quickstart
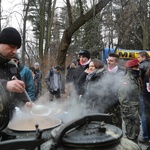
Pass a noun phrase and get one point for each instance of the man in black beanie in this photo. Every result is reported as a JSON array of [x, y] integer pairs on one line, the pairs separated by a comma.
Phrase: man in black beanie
[[10, 36], [11, 91], [83, 63]]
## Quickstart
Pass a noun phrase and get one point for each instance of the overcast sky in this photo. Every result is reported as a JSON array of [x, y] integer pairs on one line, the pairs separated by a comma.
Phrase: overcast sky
[[11, 13]]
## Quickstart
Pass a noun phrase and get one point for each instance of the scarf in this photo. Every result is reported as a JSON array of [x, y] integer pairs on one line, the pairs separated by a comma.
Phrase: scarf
[[84, 64], [90, 75]]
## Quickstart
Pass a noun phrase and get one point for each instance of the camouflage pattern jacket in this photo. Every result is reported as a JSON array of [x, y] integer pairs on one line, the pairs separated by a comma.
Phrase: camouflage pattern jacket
[[129, 90], [129, 94]]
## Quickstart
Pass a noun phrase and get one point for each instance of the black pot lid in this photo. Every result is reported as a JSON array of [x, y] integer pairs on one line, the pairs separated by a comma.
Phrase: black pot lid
[[91, 134]]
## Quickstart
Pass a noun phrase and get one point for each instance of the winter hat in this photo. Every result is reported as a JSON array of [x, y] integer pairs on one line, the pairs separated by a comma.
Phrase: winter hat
[[15, 56], [10, 36], [84, 53], [58, 67], [131, 63], [74, 61], [36, 64]]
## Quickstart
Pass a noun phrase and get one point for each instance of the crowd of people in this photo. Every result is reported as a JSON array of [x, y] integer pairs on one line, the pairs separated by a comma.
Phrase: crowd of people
[[122, 91]]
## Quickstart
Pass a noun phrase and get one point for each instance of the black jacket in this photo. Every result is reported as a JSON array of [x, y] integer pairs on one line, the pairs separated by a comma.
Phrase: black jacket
[[8, 100], [143, 66], [70, 74], [78, 71], [84, 84]]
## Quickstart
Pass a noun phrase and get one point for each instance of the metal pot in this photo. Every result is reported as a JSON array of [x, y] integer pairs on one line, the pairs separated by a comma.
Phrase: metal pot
[[24, 142], [93, 132], [28, 124]]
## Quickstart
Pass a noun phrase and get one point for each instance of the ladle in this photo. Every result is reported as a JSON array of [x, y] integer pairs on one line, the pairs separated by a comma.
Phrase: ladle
[[36, 107]]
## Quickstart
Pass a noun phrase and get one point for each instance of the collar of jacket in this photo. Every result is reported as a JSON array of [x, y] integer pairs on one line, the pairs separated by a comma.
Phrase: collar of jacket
[[100, 70], [3, 59]]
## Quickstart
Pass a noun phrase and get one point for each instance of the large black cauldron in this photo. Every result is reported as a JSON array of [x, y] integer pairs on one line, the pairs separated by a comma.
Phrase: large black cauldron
[[92, 132]]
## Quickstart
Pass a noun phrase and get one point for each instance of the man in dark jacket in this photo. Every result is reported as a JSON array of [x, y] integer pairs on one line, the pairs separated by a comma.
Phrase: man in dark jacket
[[70, 76], [36, 80], [84, 60], [144, 64], [38, 71], [70, 71], [11, 91]]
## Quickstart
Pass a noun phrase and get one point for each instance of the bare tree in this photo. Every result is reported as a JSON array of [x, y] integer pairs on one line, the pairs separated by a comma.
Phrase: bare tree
[[26, 8], [142, 18], [42, 29], [81, 20]]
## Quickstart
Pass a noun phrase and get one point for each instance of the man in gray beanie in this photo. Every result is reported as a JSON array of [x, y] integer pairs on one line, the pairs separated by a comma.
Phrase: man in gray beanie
[[11, 91], [39, 73]]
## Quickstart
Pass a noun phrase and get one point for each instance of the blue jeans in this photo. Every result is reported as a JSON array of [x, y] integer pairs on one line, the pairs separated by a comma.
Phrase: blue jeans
[[143, 118]]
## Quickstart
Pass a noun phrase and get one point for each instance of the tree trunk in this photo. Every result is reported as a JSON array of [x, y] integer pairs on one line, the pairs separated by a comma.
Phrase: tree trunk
[[67, 35], [42, 23], [24, 33]]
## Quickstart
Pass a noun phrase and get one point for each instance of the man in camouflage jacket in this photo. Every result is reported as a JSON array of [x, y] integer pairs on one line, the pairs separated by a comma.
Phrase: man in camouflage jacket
[[129, 92]]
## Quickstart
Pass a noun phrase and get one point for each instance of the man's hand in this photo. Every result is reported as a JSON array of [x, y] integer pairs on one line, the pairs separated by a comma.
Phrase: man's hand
[[17, 86]]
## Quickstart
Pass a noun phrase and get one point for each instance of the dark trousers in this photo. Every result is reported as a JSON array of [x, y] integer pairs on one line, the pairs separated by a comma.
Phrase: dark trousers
[[147, 113], [143, 118], [53, 94]]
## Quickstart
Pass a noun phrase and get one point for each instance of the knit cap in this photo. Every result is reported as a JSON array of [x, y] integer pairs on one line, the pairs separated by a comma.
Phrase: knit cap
[[36, 64], [15, 56], [10, 36], [84, 53]]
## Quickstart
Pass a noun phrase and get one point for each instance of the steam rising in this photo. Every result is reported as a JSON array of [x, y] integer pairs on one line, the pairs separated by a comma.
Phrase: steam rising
[[74, 107]]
